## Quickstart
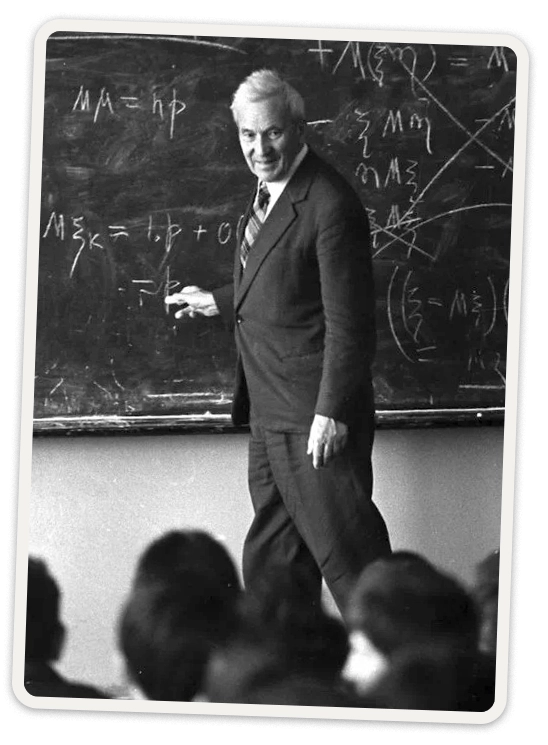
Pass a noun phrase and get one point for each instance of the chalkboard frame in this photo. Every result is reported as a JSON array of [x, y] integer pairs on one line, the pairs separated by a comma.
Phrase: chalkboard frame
[[221, 423], [415, 417]]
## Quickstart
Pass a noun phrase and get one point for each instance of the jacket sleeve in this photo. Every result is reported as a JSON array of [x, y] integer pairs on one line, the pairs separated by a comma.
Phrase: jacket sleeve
[[224, 299], [348, 299]]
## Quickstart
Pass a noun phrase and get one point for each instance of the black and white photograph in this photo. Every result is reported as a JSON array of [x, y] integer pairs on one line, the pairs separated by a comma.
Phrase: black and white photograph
[[270, 382]]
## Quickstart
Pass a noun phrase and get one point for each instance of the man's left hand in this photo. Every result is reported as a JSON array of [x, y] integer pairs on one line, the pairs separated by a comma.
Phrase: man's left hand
[[326, 440]]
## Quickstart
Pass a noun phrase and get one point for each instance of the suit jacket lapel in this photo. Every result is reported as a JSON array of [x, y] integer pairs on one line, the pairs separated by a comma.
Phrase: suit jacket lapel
[[278, 221]]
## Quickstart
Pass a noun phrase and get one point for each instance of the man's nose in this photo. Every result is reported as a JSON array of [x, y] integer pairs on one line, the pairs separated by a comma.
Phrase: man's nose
[[262, 144]]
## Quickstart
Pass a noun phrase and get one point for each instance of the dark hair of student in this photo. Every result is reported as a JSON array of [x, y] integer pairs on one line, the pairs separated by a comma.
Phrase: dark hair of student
[[282, 633], [403, 599], [44, 630], [166, 638], [184, 550]]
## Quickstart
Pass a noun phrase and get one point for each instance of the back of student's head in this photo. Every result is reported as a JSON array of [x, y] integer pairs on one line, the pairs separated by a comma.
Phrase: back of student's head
[[186, 550], [44, 630], [166, 634], [247, 672], [282, 633], [181, 606], [420, 676], [281, 614], [403, 599], [486, 592]]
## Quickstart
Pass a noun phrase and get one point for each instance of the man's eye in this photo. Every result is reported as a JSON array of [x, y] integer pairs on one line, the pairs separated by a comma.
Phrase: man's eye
[[247, 136], [273, 134]]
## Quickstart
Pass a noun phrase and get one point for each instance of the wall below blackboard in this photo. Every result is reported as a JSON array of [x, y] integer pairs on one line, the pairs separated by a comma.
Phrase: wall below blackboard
[[96, 502]]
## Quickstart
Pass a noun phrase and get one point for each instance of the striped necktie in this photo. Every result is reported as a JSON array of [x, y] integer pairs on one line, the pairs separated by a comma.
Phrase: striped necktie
[[256, 219]]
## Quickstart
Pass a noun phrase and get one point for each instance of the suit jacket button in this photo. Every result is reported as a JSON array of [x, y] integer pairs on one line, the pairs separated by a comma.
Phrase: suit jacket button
[[238, 319]]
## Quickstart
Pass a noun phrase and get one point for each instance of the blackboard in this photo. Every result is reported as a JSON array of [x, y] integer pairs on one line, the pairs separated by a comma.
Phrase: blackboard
[[143, 184]]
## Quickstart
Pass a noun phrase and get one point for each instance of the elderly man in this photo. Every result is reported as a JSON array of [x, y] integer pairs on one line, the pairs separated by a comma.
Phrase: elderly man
[[304, 311]]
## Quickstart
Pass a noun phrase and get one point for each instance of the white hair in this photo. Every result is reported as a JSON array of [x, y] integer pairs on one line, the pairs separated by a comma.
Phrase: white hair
[[263, 84]]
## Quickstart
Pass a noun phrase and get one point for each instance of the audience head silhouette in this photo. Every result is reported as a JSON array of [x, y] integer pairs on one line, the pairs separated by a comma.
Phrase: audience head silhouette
[[181, 606], [44, 631], [44, 638], [404, 599], [282, 634], [425, 676], [181, 551]]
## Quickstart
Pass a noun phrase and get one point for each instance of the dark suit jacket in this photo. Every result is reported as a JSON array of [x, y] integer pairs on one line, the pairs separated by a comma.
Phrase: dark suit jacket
[[304, 307]]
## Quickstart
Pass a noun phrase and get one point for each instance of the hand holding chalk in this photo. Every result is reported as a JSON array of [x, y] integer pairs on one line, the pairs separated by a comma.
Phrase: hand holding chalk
[[179, 298], [194, 301]]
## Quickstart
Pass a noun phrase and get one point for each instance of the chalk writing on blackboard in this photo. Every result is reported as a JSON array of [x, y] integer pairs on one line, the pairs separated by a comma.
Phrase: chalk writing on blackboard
[[174, 107], [144, 187]]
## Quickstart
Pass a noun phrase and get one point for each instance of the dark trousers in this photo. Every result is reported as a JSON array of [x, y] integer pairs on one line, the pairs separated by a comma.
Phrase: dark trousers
[[321, 520]]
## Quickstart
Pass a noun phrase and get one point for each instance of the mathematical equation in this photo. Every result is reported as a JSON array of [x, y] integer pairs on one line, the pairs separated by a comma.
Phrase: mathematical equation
[[424, 325], [82, 237], [101, 104], [373, 61], [405, 156]]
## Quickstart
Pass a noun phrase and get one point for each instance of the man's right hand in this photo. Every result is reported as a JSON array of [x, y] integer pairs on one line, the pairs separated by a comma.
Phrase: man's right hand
[[194, 301]]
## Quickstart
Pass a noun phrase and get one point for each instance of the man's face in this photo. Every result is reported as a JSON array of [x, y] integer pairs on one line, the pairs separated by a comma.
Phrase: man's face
[[269, 139]]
